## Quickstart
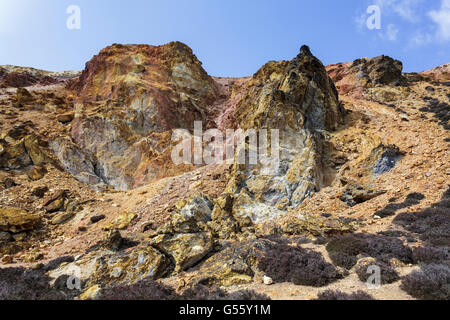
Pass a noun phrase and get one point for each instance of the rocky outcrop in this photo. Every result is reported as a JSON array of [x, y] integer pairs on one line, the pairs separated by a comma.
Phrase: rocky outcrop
[[440, 73], [354, 78], [130, 95], [297, 98], [20, 77], [352, 188], [23, 77]]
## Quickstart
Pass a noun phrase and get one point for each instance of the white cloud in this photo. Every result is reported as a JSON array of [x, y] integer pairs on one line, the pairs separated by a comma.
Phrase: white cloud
[[421, 38], [407, 9], [361, 22], [392, 32], [442, 19]]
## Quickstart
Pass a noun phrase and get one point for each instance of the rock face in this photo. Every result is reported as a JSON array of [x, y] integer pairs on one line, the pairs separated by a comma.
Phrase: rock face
[[80, 163], [129, 97], [365, 184], [297, 98], [355, 77]]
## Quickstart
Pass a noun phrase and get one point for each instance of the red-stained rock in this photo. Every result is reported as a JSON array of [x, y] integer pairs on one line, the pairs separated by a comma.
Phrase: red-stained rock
[[130, 98], [353, 78], [18, 77], [440, 73]]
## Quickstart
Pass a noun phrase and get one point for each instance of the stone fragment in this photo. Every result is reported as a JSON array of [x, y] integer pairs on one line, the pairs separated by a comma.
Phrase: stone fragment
[[55, 201], [62, 218], [34, 150], [122, 221], [267, 281], [98, 218], [39, 191], [37, 173], [65, 118]]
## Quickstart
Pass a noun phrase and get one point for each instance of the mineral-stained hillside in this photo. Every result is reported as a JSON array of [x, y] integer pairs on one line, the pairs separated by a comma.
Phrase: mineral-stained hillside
[[89, 192]]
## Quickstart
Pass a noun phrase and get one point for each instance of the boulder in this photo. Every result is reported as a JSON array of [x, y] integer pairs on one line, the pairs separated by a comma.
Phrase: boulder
[[39, 191], [186, 249], [235, 264], [15, 155], [38, 157], [191, 215], [113, 240], [20, 152], [5, 237], [355, 194], [23, 96], [7, 244], [383, 159], [16, 220], [122, 221], [130, 267], [9, 183]]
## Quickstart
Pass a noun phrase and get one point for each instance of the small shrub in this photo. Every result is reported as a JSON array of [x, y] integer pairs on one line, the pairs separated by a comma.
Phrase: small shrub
[[27, 284], [142, 290], [286, 263], [55, 263], [203, 292], [248, 295], [429, 255], [344, 250], [388, 273], [338, 295], [152, 290], [432, 224], [431, 283]]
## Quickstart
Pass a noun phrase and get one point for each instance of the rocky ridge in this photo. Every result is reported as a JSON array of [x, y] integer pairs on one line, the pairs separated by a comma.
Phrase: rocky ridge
[[87, 182]]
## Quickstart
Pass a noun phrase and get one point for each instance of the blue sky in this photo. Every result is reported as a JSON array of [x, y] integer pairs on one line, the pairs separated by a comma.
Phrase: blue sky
[[230, 37]]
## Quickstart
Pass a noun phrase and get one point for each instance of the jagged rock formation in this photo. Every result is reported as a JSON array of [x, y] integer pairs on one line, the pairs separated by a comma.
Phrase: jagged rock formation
[[130, 97], [361, 74], [297, 98], [87, 183]]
